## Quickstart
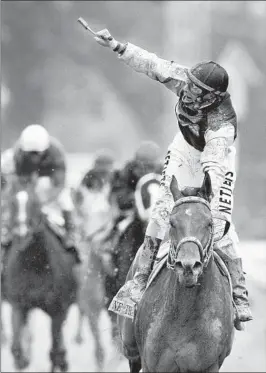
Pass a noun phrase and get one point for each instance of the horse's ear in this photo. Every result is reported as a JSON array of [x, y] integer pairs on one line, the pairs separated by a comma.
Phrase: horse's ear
[[174, 189], [206, 188]]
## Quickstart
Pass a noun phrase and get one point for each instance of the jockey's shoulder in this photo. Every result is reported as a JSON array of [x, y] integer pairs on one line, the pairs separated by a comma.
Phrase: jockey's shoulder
[[56, 154], [56, 146], [130, 164], [222, 115], [7, 161]]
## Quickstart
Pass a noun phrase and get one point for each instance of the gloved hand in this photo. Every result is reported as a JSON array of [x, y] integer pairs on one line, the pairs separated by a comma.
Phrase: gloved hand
[[219, 226], [105, 39]]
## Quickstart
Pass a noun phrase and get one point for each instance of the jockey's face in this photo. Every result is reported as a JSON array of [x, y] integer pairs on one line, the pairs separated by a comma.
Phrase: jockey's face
[[35, 156], [192, 93], [195, 97]]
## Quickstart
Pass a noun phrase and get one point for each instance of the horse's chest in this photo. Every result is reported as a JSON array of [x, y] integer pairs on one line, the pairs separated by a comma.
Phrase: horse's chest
[[185, 343], [197, 348], [184, 349]]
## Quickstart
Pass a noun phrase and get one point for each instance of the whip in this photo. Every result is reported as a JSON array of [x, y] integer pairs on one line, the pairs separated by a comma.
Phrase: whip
[[86, 26]]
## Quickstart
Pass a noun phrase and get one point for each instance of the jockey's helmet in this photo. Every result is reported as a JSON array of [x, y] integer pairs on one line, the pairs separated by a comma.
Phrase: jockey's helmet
[[104, 160], [148, 151], [34, 138], [207, 83]]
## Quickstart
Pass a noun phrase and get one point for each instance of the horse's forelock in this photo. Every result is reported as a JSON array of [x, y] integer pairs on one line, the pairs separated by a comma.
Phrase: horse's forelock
[[190, 192], [189, 217]]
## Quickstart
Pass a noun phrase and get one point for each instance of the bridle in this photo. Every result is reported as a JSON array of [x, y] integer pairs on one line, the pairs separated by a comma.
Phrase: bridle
[[206, 251]]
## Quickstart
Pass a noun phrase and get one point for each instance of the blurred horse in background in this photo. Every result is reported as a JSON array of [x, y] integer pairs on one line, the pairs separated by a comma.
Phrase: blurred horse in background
[[95, 220], [3, 253], [38, 274], [112, 233]]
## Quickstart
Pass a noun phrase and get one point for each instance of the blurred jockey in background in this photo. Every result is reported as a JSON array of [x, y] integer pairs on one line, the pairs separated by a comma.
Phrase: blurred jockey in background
[[105, 196], [92, 196], [39, 158], [205, 143], [104, 162], [146, 160]]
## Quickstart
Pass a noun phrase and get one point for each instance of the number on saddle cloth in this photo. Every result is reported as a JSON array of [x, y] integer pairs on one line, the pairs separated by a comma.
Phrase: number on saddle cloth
[[146, 193]]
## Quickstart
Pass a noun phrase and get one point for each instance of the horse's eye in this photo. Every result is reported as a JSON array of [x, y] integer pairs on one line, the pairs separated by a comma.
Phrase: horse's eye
[[172, 224]]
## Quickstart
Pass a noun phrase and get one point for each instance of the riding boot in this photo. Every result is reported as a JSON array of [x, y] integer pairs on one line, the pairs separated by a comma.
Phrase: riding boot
[[70, 240], [147, 257], [240, 293], [133, 289]]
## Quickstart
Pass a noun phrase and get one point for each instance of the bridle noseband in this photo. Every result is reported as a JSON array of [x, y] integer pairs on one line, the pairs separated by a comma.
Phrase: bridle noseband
[[206, 251]]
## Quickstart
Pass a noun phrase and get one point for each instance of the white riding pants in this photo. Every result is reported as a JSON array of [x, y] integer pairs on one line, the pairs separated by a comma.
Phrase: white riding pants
[[184, 162]]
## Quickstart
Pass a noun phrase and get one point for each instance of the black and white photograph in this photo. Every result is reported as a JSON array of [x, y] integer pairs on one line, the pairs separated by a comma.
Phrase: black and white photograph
[[133, 186]]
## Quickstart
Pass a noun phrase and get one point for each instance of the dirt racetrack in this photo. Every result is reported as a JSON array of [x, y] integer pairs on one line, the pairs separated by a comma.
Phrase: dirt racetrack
[[248, 354]]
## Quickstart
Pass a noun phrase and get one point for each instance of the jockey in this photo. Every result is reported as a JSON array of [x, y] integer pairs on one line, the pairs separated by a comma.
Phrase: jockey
[[37, 155], [103, 166], [205, 143], [93, 193], [145, 160]]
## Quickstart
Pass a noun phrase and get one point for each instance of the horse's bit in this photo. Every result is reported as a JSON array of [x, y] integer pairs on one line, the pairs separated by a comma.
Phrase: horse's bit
[[205, 252]]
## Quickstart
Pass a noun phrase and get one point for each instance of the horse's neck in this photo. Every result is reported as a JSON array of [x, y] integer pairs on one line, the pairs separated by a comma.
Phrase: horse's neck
[[35, 255]]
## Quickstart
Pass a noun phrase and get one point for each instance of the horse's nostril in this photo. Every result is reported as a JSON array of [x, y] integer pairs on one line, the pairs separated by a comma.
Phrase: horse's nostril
[[189, 265], [179, 265], [197, 265]]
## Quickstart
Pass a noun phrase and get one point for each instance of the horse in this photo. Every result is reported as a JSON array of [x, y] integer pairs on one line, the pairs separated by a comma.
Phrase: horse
[[39, 274], [185, 319], [106, 262], [94, 215]]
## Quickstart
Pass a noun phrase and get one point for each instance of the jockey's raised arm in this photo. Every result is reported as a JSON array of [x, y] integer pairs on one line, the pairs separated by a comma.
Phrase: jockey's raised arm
[[169, 73]]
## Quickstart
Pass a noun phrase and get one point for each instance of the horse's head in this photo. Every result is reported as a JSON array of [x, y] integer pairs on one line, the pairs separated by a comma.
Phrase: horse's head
[[191, 231], [25, 210]]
